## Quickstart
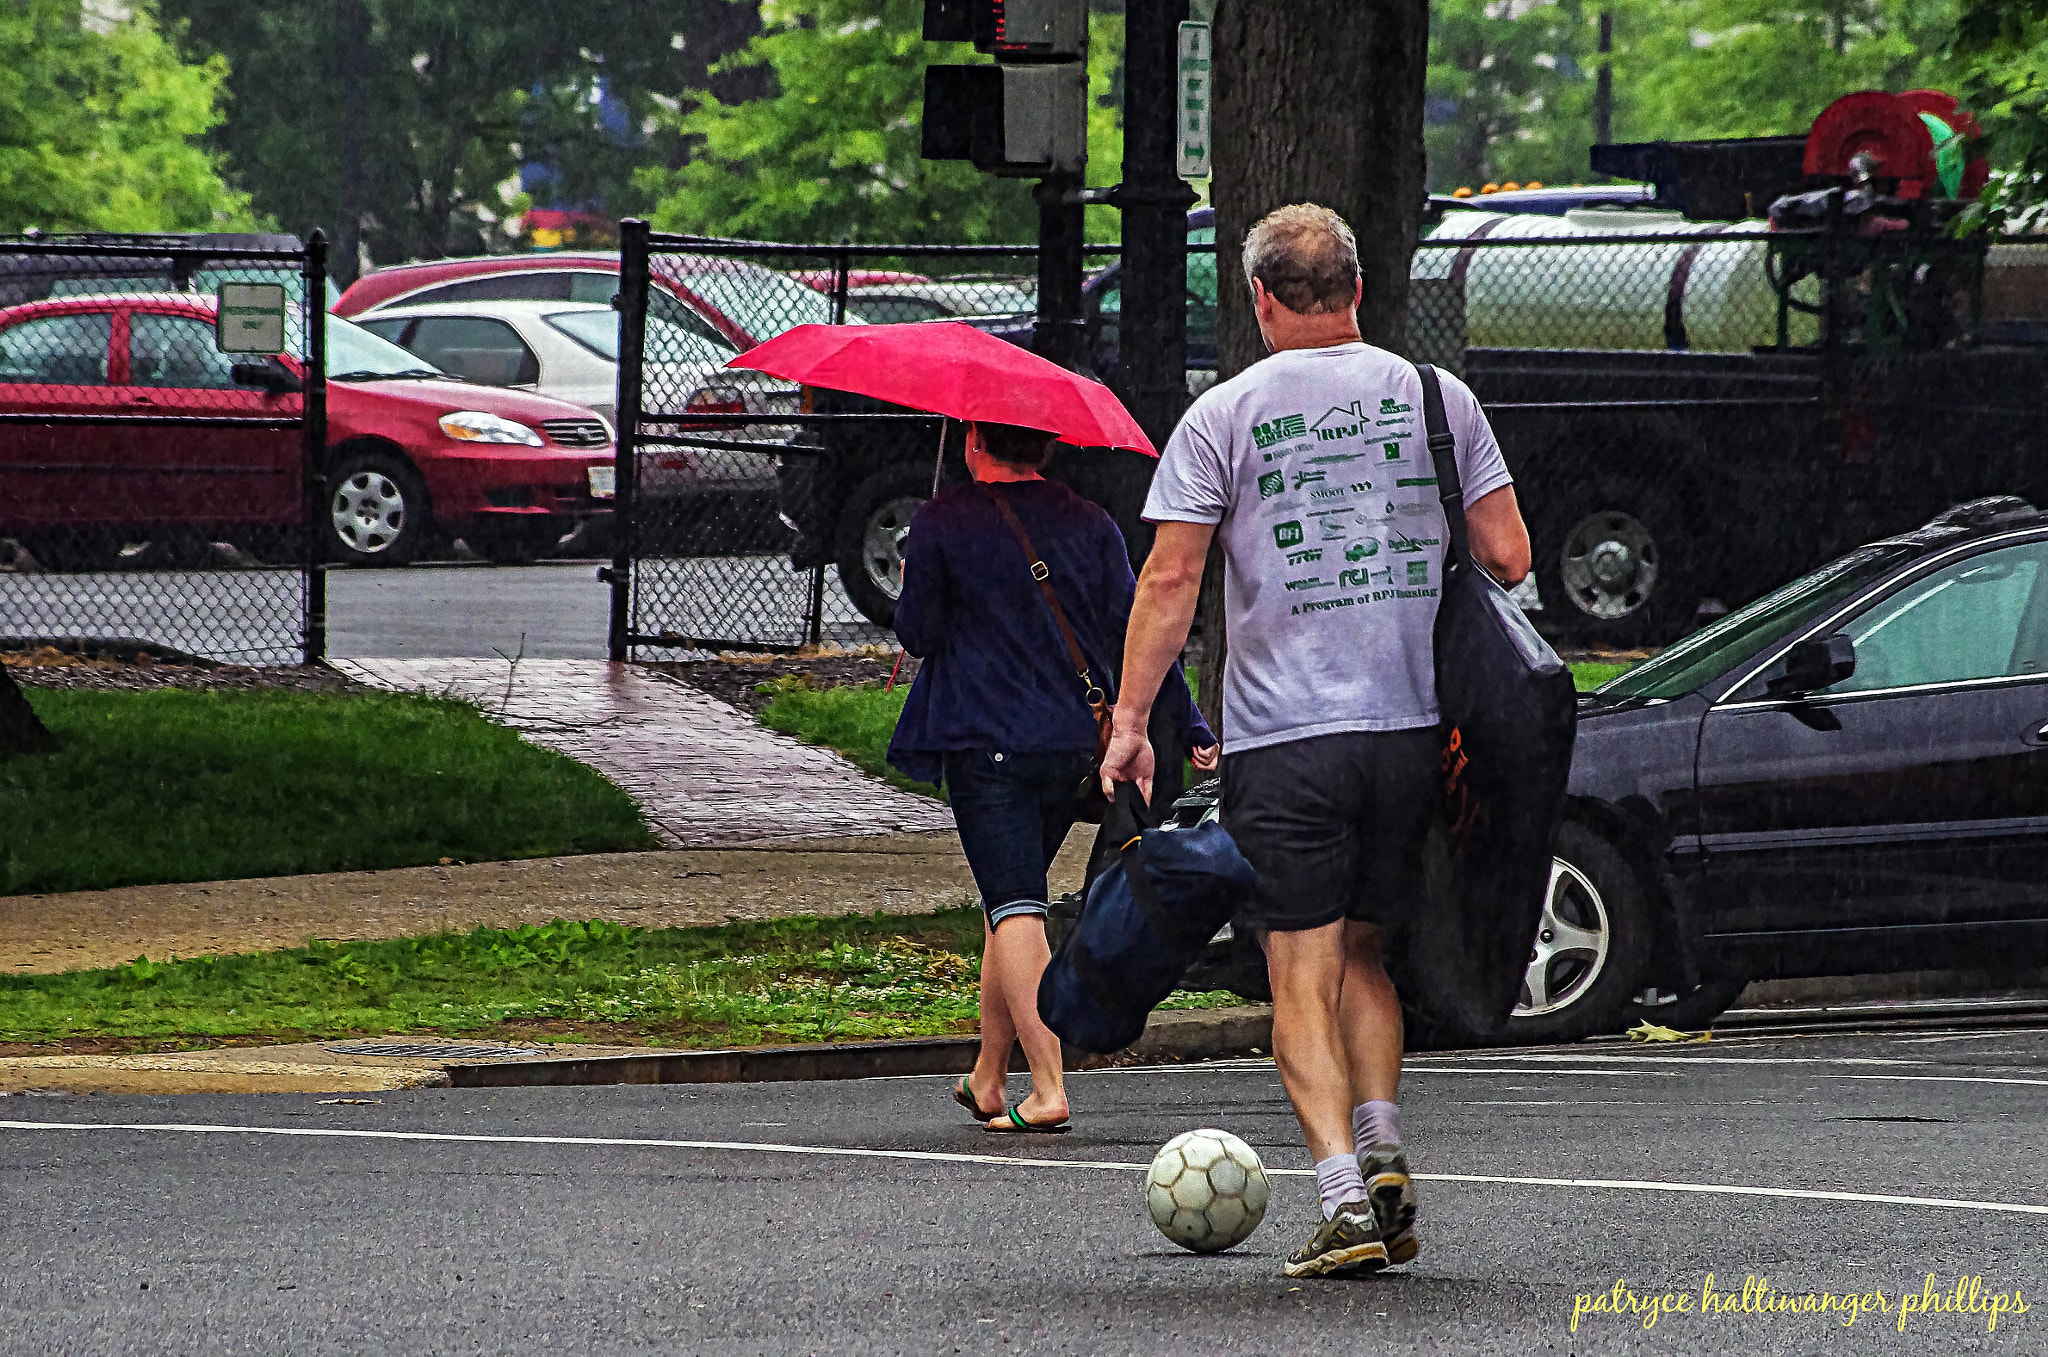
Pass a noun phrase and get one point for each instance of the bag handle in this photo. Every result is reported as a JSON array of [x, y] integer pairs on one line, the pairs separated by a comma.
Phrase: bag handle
[[1443, 452], [1040, 571]]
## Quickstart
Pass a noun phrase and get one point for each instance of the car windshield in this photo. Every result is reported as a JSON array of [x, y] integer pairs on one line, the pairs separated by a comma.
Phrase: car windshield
[[598, 331], [356, 355], [1715, 649], [764, 303]]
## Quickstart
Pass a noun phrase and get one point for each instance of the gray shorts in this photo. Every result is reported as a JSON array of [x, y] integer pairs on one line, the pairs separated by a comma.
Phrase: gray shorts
[[1333, 824]]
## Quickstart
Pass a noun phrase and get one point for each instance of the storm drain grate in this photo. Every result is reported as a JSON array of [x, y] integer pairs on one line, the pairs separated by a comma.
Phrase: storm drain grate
[[428, 1050]]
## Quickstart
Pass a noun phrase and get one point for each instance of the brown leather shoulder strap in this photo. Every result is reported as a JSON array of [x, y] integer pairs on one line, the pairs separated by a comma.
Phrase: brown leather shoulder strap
[[1042, 572]]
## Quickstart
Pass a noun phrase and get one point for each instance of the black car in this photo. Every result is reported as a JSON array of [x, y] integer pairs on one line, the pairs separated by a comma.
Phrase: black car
[[1848, 776]]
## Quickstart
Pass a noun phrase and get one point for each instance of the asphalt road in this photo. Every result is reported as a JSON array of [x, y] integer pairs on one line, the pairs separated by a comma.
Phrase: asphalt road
[[869, 1217], [552, 610]]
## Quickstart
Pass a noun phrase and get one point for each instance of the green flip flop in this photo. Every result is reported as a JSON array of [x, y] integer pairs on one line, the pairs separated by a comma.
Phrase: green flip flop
[[966, 1099], [1019, 1126]]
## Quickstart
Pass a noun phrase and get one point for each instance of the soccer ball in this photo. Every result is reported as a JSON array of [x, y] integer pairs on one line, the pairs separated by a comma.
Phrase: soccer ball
[[1207, 1190]]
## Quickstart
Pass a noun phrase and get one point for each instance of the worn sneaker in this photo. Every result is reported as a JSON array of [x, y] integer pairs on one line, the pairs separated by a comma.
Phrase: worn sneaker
[[1392, 1193], [1347, 1242]]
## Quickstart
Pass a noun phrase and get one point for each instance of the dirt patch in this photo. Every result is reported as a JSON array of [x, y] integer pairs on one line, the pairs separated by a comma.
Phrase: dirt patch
[[135, 665], [736, 679]]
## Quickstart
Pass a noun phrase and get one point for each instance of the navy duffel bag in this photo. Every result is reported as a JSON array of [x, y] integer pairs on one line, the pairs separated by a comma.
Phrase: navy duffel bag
[[1145, 921]]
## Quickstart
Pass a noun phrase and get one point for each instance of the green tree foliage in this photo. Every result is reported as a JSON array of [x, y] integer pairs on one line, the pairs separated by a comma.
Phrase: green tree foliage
[[2001, 54], [100, 124], [1508, 92], [1511, 81], [832, 149], [1751, 68], [455, 97]]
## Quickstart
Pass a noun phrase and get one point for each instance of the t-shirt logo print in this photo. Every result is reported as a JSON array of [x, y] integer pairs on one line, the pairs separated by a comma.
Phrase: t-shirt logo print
[[1341, 421], [1287, 534], [1272, 483], [1390, 406], [1279, 430]]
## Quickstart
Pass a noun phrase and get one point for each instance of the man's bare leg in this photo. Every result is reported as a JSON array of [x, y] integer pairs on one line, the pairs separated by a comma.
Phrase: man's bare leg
[[1307, 970], [1370, 1018]]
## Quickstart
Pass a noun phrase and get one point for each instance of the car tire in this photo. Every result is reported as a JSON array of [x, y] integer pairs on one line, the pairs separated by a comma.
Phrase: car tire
[[870, 568], [66, 551], [1695, 1011], [515, 541], [1592, 945], [376, 512], [1612, 569]]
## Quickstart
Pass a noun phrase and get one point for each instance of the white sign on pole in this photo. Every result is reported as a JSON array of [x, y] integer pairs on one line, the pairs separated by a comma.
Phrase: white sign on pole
[[249, 318], [1191, 134]]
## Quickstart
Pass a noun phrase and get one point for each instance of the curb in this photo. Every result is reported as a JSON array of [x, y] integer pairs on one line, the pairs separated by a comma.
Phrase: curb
[[1171, 1038]]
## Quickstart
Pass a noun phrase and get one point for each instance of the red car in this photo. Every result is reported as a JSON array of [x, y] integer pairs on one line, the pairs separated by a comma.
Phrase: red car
[[412, 451], [727, 300]]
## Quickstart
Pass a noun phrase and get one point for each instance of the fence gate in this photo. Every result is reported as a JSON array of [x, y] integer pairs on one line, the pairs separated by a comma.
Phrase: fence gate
[[162, 413], [753, 514]]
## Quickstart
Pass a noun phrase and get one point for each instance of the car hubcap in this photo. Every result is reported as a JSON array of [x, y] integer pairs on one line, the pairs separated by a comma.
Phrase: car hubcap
[[881, 547], [1609, 564], [369, 512], [1571, 944]]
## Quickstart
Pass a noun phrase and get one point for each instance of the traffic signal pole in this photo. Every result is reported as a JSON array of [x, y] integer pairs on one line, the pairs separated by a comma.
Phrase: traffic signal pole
[[1154, 200], [1058, 332]]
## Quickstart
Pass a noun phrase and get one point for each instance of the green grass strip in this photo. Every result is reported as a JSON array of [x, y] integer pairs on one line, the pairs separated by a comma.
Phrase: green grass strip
[[174, 785], [789, 980]]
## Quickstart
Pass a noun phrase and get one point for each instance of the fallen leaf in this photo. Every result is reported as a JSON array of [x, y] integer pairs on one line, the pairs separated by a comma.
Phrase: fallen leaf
[[1649, 1031]]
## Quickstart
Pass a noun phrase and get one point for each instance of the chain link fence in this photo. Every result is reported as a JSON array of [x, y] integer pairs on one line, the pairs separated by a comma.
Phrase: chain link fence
[[755, 514], [162, 400]]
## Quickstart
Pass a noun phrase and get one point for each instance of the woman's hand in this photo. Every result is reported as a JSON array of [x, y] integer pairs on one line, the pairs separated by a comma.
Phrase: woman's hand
[[1205, 760]]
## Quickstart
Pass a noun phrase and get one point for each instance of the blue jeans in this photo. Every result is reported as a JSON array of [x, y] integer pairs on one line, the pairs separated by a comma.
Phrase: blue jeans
[[1013, 812]]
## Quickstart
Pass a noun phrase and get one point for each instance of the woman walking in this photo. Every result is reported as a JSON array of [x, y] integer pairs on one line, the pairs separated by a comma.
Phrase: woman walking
[[1015, 593]]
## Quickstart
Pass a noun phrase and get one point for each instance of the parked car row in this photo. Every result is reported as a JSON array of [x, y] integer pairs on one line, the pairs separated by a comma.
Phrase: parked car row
[[413, 452]]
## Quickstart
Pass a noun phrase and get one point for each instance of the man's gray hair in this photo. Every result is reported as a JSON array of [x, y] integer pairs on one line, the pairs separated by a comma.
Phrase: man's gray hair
[[1306, 256]]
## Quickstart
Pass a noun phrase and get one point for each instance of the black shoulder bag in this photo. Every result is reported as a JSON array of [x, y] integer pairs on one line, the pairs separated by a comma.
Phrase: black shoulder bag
[[1509, 711]]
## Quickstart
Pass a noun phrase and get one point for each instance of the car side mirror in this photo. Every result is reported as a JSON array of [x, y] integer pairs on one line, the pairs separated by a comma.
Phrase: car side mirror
[[271, 375], [1815, 664]]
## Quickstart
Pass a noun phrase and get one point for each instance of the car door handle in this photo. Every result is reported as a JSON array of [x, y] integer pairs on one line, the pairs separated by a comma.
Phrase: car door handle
[[141, 400], [2038, 736]]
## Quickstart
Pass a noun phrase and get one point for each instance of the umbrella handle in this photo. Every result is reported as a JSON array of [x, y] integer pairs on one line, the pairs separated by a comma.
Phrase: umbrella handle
[[939, 465]]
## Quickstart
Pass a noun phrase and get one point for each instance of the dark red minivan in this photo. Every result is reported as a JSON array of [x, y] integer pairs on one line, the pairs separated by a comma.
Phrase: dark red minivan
[[413, 452]]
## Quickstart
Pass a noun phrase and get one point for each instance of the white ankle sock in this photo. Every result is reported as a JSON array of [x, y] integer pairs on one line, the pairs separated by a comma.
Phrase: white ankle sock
[[1339, 1181], [1375, 1123]]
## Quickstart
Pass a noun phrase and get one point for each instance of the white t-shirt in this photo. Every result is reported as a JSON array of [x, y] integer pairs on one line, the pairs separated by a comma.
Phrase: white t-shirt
[[1316, 465]]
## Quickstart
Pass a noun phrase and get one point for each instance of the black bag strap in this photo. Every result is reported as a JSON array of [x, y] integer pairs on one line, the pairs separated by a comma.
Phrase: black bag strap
[[1443, 452], [1128, 819], [1091, 691]]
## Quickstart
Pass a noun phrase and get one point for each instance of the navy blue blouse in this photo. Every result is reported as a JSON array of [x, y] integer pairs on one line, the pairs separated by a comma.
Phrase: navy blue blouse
[[996, 672]]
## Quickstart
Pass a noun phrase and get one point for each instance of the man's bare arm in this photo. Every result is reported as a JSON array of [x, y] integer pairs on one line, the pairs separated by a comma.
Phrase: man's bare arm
[[1500, 541], [1160, 616]]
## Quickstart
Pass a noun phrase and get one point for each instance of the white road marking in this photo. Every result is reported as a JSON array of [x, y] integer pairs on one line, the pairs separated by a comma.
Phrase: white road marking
[[1943, 1078], [1955, 1036], [1582, 1058], [1525, 1071], [1012, 1161]]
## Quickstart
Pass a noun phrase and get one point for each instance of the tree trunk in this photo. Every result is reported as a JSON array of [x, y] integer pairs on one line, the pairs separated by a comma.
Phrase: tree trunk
[[20, 731], [1316, 101]]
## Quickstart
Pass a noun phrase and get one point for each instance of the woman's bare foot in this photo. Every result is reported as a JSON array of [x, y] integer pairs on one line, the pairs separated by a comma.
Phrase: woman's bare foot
[[983, 1097], [1040, 1109]]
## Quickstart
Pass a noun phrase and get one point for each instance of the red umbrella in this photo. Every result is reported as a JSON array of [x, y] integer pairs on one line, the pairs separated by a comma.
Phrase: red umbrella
[[951, 369]]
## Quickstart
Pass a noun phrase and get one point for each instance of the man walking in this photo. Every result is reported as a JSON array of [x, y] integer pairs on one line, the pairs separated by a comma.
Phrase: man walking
[[1313, 467]]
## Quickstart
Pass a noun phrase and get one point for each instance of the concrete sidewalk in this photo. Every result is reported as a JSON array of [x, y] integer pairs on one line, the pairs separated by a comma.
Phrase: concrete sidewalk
[[703, 771], [893, 874]]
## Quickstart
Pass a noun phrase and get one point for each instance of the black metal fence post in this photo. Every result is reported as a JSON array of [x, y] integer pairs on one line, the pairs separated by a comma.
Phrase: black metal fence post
[[313, 447], [632, 305], [1057, 335]]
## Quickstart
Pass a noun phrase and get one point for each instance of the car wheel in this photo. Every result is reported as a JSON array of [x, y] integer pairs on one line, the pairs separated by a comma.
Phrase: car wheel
[[1591, 946], [1694, 1011], [1614, 571], [870, 553], [67, 551], [515, 541], [376, 509]]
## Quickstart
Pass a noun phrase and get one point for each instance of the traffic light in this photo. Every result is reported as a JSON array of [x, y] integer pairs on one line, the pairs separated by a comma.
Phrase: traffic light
[[1024, 116]]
